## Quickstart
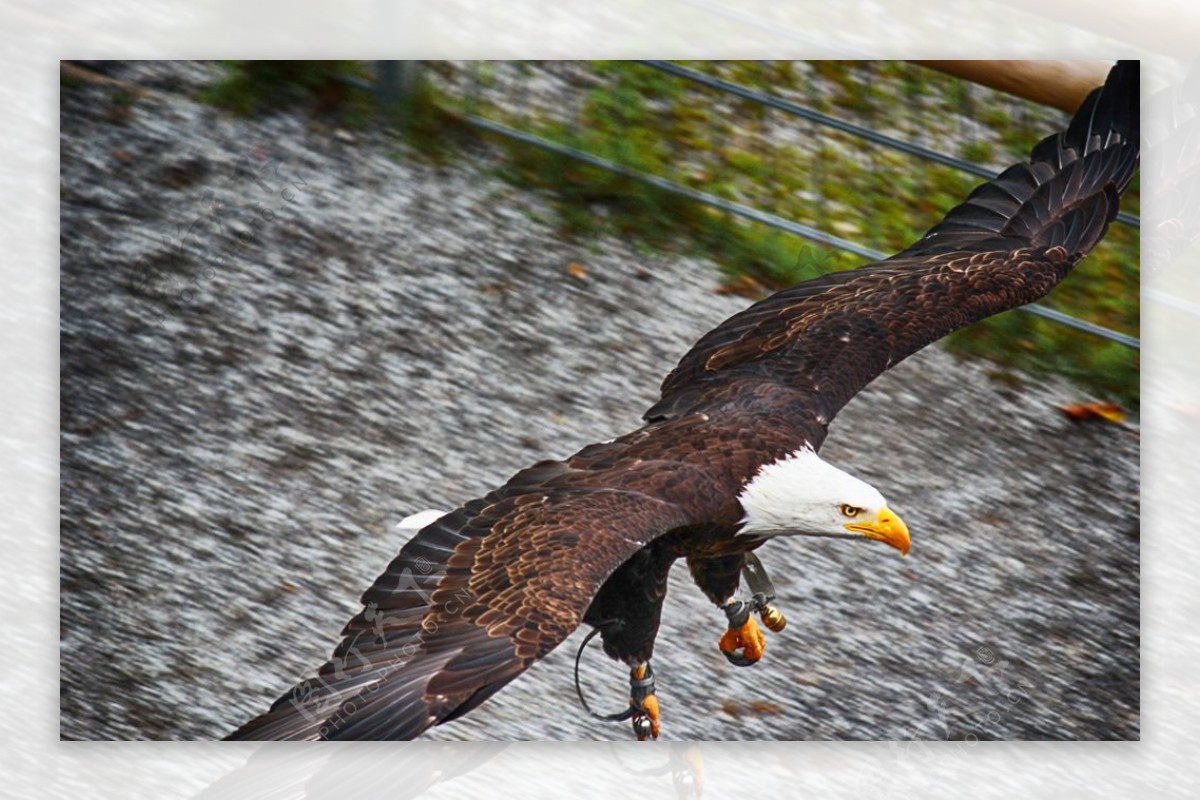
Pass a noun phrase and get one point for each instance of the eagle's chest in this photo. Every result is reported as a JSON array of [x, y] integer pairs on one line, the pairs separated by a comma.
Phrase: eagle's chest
[[710, 542]]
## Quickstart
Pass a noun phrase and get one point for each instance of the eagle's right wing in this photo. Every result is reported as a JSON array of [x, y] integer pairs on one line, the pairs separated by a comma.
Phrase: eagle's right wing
[[473, 600]]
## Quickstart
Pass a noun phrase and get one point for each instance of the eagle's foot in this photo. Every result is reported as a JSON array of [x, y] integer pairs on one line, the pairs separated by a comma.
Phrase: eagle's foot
[[643, 702], [744, 634]]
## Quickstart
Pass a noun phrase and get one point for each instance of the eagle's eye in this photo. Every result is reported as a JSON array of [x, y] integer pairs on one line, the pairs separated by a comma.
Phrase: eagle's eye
[[849, 511]]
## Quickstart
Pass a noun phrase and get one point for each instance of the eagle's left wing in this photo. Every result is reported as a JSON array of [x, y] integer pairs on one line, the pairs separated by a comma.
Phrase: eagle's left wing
[[1010, 242], [471, 602]]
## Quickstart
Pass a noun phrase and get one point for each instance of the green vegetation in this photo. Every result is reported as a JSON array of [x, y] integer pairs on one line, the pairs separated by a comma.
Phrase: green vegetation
[[253, 87]]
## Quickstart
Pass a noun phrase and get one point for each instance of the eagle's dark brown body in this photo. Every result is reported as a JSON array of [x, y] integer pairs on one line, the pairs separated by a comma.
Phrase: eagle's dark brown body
[[479, 595]]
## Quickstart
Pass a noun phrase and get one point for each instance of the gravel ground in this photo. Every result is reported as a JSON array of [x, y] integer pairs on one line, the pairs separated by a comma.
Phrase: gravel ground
[[242, 427]]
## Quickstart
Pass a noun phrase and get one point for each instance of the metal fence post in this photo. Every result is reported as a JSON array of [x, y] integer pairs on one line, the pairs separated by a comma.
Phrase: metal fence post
[[396, 80]]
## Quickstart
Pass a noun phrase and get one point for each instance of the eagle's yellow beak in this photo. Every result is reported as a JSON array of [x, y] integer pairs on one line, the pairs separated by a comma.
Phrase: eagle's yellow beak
[[886, 527]]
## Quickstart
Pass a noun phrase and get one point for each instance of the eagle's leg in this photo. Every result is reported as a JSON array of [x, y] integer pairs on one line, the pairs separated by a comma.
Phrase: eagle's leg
[[627, 610], [719, 577]]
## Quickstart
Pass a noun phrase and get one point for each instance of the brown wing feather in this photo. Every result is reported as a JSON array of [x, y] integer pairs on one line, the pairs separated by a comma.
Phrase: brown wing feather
[[1008, 244], [479, 595]]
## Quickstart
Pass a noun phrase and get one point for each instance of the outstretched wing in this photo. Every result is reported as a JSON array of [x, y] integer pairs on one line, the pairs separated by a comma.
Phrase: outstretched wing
[[1008, 244], [472, 601]]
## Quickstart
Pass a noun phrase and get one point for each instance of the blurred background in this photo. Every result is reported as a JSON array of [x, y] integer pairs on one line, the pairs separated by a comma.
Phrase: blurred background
[[302, 300]]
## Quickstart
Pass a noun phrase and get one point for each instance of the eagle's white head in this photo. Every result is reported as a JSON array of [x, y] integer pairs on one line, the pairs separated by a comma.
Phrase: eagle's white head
[[805, 495]]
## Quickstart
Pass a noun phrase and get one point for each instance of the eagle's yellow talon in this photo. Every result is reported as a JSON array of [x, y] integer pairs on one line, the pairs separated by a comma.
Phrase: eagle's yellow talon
[[749, 638]]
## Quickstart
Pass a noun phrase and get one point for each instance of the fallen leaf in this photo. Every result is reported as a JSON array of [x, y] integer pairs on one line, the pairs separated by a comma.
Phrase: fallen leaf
[[743, 286], [1094, 411]]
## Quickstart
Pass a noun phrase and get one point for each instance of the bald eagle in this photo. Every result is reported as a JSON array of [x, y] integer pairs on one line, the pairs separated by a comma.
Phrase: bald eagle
[[726, 460]]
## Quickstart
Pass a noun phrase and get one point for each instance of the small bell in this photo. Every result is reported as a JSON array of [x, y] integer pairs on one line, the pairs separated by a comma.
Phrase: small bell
[[642, 727], [772, 618]]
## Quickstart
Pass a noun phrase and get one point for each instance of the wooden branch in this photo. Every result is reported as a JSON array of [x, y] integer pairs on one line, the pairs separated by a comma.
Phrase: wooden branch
[[1061, 84]]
